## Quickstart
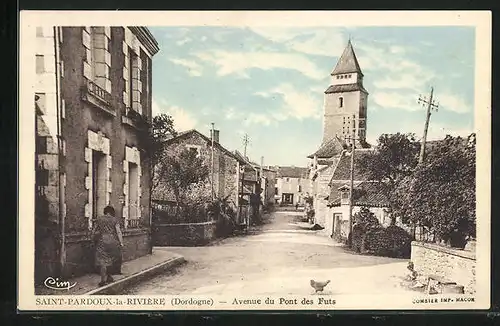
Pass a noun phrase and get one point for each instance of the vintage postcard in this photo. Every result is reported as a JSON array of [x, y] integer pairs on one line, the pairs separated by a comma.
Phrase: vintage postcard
[[247, 160]]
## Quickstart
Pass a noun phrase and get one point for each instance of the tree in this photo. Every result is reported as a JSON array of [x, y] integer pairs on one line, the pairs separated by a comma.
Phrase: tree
[[441, 192], [182, 171], [162, 129], [393, 161], [366, 218]]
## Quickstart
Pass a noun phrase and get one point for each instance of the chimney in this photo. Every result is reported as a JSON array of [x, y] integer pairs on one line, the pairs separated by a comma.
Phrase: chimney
[[215, 135]]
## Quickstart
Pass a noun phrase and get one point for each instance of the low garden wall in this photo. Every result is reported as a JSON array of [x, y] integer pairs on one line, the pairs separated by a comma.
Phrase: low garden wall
[[453, 264], [185, 235]]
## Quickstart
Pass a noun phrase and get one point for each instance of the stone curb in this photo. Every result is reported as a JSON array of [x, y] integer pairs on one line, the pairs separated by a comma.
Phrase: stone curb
[[120, 285]]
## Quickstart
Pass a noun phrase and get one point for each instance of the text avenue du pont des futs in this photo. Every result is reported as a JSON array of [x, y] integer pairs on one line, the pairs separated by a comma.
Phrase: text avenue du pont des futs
[[284, 301]]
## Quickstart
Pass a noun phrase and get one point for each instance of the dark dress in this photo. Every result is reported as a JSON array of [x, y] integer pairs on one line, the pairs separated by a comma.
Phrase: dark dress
[[107, 244]]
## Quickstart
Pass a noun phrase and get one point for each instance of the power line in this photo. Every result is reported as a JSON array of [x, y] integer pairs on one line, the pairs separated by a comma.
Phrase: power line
[[431, 105]]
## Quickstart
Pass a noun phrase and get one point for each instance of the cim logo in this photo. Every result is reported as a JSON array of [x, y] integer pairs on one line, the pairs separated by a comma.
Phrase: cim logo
[[56, 284]]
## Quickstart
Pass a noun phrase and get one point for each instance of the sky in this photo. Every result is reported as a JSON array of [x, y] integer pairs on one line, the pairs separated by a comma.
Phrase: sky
[[269, 82]]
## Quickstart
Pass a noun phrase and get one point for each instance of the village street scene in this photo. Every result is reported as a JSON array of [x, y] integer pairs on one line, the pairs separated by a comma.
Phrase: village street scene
[[254, 161]]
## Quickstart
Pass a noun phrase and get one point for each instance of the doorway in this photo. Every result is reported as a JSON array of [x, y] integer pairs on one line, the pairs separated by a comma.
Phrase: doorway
[[287, 199], [98, 183], [337, 226]]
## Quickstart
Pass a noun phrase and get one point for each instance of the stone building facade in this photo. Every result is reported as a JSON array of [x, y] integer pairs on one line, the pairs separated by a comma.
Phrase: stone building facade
[[268, 184], [226, 169], [93, 103], [292, 184]]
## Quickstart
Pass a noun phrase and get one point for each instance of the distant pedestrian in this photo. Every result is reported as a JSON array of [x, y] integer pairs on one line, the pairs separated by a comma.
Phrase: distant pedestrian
[[297, 206], [255, 203], [108, 242]]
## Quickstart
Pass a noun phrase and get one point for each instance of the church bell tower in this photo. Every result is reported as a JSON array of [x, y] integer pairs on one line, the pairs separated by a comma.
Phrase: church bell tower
[[345, 101]]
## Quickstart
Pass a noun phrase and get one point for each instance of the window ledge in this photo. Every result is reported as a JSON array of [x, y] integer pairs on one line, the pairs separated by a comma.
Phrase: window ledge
[[129, 122], [135, 231], [126, 120], [97, 97]]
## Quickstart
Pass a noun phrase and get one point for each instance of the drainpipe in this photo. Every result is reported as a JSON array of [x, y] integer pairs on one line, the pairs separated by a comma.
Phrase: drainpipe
[[62, 249]]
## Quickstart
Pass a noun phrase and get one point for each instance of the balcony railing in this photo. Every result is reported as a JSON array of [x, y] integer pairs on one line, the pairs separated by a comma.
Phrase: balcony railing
[[99, 92], [98, 97], [134, 223]]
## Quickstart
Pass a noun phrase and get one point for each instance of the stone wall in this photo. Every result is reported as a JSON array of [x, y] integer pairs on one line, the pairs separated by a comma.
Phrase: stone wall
[[185, 235], [454, 264], [80, 250]]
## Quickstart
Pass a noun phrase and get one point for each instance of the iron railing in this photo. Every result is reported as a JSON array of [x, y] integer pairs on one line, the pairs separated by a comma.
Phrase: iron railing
[[134, 223], [98, 92]]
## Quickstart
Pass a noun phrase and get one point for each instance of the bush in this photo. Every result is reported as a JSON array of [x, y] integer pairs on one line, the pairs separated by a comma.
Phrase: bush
[[356, 239], [180, 215], [392, 241], [364, 220], [377, 242], [401, 242], [369, 237]]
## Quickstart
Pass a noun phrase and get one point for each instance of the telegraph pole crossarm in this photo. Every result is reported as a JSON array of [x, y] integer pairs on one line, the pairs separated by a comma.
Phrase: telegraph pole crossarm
[[431, 105]]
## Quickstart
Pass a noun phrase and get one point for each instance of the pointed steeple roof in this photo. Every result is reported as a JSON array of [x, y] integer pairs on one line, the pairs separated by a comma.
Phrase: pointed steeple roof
[[348, 63]]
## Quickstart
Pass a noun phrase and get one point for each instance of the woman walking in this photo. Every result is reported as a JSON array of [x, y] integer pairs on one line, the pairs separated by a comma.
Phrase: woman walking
[[108, 243]]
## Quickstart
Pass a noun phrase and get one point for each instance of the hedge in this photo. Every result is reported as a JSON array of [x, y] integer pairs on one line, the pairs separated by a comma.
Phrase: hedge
[[392, 241]]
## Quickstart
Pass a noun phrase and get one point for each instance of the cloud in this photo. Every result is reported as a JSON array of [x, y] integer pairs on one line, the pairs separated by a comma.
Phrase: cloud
[[240, 62], [184, 41], [257, 118], [297, 104], [401, 81], [316, 41], [393, 63], [183, 120], [396, 100], [194, 69], [248, 118], [438, 131], [293, 104], [402, 75], [397, 49], [403, 101], [454, 103]]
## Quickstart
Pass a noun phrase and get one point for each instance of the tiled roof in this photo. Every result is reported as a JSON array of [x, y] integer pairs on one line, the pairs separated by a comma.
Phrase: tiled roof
[[292, 172], [347, 62], [346, 88], [186, 133], [343, 170], [365, 194], [329, 148], [244, 160]]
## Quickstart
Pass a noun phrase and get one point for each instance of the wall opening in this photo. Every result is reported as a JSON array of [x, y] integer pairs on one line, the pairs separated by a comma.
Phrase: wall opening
[[133, 184], [99, 181]]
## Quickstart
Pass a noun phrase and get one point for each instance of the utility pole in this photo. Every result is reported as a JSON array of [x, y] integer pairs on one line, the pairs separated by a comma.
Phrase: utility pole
[[429, 102], [245, 143], [353, 140], [246, 140], [212, 171]]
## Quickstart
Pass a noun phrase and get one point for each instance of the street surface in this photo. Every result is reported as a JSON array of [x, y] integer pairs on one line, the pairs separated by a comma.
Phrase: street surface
[[278, 258]]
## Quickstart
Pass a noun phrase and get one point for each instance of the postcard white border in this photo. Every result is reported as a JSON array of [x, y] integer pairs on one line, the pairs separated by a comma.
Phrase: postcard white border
[[481, 20]]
